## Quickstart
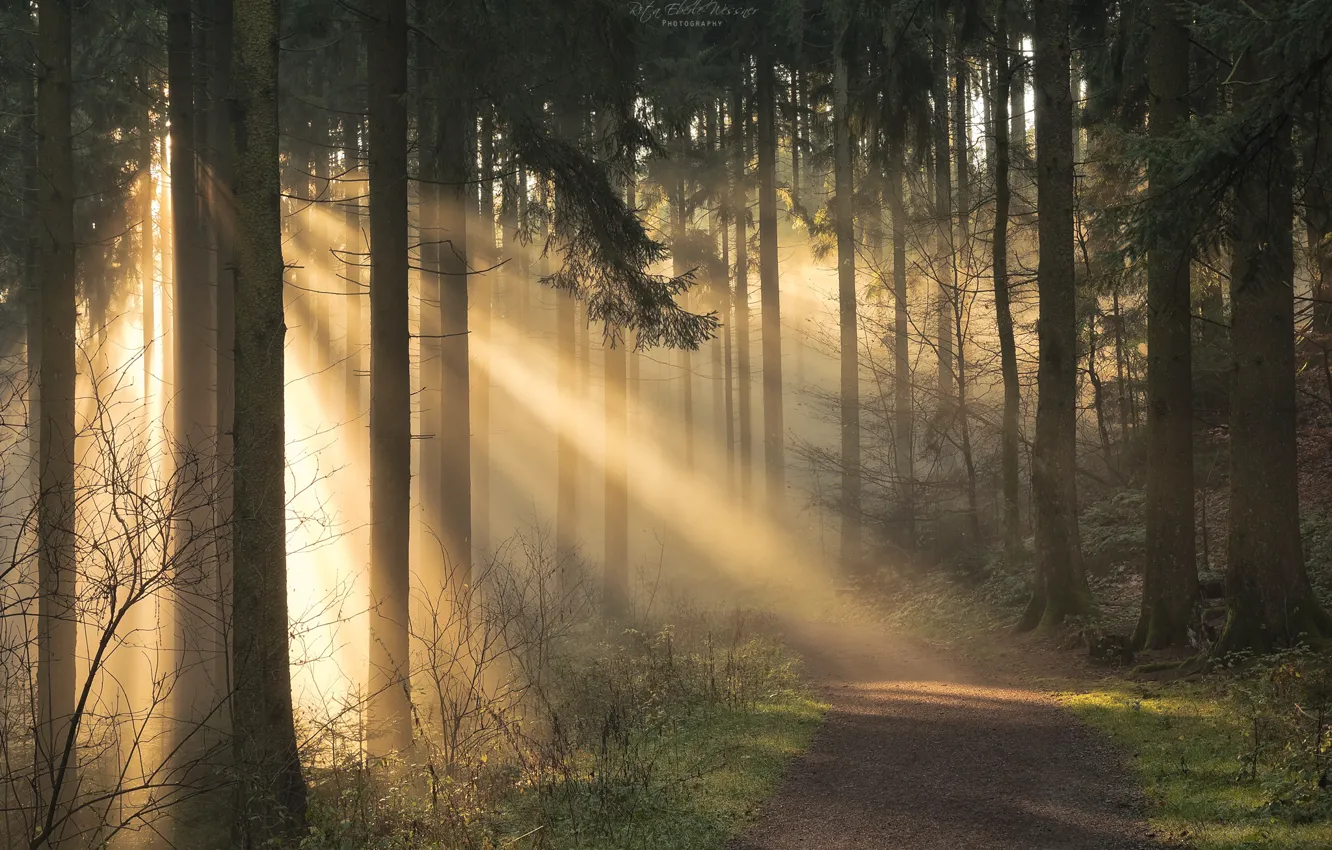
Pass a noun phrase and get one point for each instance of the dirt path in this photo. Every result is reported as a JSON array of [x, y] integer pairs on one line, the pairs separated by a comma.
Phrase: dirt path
[[916, 754]]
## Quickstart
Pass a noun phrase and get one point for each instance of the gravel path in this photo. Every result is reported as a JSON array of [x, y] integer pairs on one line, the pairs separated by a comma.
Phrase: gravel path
[[917, 754]]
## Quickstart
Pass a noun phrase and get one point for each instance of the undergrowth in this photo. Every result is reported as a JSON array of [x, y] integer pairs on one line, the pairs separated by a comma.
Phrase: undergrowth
[[540, 726]]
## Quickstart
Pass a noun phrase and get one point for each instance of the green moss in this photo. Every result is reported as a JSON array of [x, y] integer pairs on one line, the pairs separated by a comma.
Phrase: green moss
[[1185, 742]]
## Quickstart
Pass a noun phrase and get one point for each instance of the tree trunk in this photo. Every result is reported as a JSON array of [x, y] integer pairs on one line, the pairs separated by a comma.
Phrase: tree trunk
[[1061, 586], [846, 301], [484, 294], [1018, 99], [1170, 577], [740, 208], [456, 203], [57, 624], [795, 138], [147, 265], [271, 795], [1003, 311], [390, 385], [944, 257], [1271, 603], [429, 562], [773, 428], [903, 449], [197, 638]]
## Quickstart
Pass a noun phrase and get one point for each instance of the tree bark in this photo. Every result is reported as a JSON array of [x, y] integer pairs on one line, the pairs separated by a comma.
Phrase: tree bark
[[271, 796], [57, 624], [457, 199], [196, 693], [390, 385], [903, 423], [1170, 577], [1061, 586], [484, 287], [848, 320], [1003, 311], [1271, 603], [740, 208], [774, 430]]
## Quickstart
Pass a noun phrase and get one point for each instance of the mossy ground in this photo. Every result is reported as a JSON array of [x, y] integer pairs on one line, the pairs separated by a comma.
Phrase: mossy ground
[[1184, 741]]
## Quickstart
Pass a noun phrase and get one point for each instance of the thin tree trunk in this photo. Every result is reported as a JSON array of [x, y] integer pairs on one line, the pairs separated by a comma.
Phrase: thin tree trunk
[[1271, 603], [774, 430], [484, 294], [390, 385], [1170, 578], [147, 266], [354, 370], [57, 624], [795, 137], [566, 495], [617, 482], [430, 395], [271, 797], [1003, 311], [944, 256], [740, 207], [848, 320], [904, 446], [1061, 586]]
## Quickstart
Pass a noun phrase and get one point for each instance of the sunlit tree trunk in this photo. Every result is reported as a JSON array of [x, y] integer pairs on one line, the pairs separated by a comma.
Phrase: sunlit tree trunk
[[196, 693], [1170, 579], [566, 485], [57, 754], [617, 483], [774, 431], [1271, 603], [271, 791], [961, 283], [726, 300], [456, 199], [679, 225], [1060, 586], [147, 270], [390, 384], [430, 396], [1009, 436], [903, 449], [846, 302], [484, 293], [740, 210], [354, 369]]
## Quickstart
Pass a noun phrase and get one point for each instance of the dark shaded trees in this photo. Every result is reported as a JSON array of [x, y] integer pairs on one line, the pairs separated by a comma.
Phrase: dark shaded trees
[[1060, 584], [1170, 578]]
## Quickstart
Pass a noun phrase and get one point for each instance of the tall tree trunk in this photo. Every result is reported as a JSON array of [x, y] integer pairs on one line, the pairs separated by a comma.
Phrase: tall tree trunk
[[795, 137], [1003, 311], [774, 430], [390, 384], [147, 265], [271, 795], [224, 217], [430, 395], [904, 446], [484, 294], [679, 235], [57, 624], [195, 695], [457, 199], [617, 470], [1271, 603], [566, 493], [846, 302], [740, 208], [1018, 97], [1061, 586], [944, 256], [354, 370], [1170, 578]]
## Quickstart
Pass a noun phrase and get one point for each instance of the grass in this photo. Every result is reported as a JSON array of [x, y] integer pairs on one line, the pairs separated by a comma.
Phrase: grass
[[711, 775], [1185, 740]]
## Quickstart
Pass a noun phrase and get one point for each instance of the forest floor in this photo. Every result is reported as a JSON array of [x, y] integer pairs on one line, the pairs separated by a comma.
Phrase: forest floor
[[926, 748]]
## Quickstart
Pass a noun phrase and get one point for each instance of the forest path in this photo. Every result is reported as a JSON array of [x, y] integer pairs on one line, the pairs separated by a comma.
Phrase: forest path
[[917, 753]]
